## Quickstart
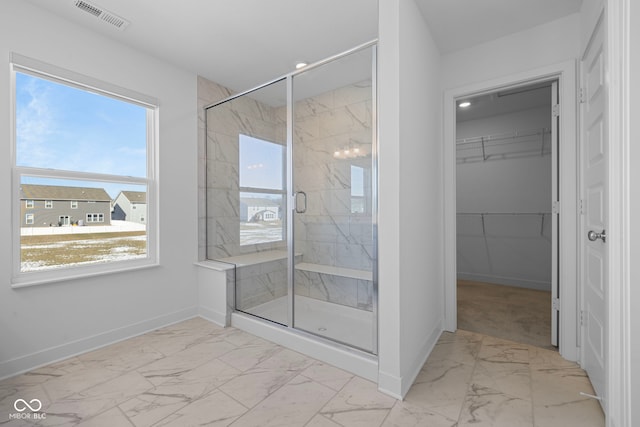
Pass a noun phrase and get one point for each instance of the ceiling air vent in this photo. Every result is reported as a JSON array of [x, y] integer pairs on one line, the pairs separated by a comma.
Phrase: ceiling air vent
[[104, 15]]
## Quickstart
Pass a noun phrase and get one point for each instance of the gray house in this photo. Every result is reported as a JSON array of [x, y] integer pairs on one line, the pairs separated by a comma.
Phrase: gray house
[[53, 206], [130, 206]]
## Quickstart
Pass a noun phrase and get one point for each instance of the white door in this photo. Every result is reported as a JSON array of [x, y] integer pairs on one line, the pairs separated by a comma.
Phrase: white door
[[594, 151]]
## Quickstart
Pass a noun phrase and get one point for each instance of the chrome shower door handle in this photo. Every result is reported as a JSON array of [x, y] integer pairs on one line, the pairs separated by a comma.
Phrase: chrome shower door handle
[[298, 209], [593, 236]]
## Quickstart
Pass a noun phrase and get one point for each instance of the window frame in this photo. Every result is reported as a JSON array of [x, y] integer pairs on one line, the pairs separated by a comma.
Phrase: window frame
[[73, 204], [29, 204], [29, 218], [48, 204], [39, 69]]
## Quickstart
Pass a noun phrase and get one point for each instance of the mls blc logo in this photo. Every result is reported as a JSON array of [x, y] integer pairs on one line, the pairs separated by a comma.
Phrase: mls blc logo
[[21, 405]]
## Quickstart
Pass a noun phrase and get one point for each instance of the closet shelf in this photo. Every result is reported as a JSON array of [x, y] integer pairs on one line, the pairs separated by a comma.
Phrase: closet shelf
[[532, 142]]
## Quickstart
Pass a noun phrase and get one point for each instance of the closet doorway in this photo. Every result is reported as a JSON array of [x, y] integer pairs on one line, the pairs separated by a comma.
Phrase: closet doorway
[[506, 218]]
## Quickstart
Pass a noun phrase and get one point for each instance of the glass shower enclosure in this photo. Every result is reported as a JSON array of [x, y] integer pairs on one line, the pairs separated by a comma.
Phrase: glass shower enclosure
[[291, 198]]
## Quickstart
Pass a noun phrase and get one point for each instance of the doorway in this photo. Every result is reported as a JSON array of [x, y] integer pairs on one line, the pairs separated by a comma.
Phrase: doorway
[[506, 175], [565, 75]]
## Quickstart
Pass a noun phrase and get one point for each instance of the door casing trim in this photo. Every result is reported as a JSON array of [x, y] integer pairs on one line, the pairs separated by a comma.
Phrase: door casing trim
[[565, 73]]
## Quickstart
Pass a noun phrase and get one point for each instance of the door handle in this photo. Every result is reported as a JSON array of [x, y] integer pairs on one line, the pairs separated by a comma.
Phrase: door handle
[[593, 236], [298, 209]]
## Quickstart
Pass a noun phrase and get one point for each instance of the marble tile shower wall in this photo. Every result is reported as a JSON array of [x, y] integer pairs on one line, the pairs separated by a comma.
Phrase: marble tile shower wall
[[225, 123], [329, 233], [332, 136]]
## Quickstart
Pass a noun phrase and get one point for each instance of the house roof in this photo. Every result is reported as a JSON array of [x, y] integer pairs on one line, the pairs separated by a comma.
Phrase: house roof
[[57, 192], [135, 196]]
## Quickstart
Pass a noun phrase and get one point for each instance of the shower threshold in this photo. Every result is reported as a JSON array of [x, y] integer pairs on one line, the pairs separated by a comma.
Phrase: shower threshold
[[341, 323]]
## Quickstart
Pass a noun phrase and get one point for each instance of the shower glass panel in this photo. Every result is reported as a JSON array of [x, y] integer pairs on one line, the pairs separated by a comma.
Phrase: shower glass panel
[[333, 182], [247, 197]]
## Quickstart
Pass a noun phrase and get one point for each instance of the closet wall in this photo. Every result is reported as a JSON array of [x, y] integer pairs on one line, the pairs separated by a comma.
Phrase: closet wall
[[504, 199]]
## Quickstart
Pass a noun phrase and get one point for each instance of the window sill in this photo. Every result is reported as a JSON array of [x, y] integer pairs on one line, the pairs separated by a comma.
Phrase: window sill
[[23, 282]]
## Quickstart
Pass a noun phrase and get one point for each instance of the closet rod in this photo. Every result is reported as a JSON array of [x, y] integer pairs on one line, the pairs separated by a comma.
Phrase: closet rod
[[503, 213], [503, 136]]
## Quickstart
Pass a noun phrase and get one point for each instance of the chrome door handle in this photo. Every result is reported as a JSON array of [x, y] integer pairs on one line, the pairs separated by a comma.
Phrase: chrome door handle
[[298, 209], [593, 236]]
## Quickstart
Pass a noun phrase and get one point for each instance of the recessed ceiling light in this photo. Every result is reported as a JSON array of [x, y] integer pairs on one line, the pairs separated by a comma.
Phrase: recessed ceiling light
[[464, 104], [301, 65]]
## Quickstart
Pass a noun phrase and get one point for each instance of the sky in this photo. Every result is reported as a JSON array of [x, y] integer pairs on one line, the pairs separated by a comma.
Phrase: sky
[[65, 128]]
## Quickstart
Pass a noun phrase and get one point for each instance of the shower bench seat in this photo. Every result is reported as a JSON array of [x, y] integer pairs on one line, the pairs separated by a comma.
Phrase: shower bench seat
[[277, 255], [335, 271]]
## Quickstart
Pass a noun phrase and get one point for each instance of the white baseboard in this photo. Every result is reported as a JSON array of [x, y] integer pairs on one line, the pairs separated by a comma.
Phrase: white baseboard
[[213, 316], [18, 365], [398, 387]]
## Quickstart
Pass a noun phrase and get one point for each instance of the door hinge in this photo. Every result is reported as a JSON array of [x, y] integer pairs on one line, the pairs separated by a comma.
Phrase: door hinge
[[581, 317], [556, 110], [582, 95], [555, 207], [581, 207], [555, 304]]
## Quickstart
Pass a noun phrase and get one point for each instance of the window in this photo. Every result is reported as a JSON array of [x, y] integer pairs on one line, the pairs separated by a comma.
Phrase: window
[[95, 217], [262, 195], [79, 141]]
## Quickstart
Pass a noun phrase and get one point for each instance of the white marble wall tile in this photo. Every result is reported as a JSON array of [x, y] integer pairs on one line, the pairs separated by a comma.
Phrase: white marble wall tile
[[354, 93], [365, 295], [315, 105], [347, 119]]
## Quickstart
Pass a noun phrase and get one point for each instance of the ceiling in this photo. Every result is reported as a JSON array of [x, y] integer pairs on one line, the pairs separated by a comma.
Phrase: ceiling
[[243, 43]]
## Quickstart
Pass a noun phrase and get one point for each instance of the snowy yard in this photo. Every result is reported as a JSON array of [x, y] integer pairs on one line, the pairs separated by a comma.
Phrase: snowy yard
[[260, 232], [56, 251]]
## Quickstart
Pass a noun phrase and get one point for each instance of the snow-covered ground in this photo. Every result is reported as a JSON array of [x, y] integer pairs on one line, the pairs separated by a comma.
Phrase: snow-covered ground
[[115, 227]]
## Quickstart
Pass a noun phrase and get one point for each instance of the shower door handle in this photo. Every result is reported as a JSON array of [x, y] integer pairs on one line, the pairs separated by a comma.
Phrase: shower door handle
[[298, 209]]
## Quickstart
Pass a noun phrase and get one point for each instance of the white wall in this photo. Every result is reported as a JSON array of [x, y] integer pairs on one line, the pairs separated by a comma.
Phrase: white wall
[[42, 323], [410, 182], [546, 44], [510, 250], [634, 214]]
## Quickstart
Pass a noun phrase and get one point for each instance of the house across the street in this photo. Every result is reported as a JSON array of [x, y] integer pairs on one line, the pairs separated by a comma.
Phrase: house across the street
[[57, 206]]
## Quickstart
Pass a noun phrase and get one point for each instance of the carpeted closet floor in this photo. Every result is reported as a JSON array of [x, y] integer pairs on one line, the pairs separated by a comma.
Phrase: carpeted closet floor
[[516, 314]]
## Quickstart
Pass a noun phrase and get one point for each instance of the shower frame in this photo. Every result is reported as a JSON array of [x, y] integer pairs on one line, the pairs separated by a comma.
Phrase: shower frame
[[291, 196]]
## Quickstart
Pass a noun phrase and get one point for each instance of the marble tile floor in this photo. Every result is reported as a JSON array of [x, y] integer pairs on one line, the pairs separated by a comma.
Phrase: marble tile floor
[[195, 373]]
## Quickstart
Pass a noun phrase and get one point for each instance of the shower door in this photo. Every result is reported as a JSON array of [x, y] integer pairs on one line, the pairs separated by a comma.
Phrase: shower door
[[333, 185], [247, 197]]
